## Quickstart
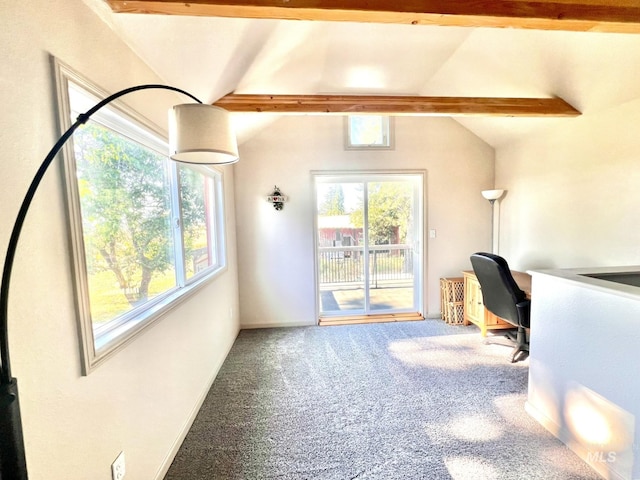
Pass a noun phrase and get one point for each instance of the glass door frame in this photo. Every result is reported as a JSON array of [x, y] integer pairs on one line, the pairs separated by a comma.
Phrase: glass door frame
[[419, 247]]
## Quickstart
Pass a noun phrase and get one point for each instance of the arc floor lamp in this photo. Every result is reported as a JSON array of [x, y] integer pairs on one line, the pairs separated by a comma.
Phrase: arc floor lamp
[[198, 133]]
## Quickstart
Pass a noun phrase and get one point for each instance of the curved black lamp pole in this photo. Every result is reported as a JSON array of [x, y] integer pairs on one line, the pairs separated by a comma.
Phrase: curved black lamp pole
[[13, 464]]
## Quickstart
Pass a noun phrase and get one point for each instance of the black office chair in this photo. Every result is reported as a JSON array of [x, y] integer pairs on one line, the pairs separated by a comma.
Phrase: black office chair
[[502, 297]]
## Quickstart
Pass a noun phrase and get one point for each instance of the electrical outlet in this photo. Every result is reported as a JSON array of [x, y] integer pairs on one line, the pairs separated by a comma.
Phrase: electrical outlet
[[117, 467]]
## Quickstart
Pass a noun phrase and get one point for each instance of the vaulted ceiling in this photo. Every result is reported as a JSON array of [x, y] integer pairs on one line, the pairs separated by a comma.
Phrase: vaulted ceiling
[[212, 56]]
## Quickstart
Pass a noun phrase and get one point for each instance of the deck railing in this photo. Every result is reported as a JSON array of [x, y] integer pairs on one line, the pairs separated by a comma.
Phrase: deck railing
[[389, 265]]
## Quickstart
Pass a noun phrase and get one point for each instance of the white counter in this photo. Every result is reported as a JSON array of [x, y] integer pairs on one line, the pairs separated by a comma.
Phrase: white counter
[[584, 373]]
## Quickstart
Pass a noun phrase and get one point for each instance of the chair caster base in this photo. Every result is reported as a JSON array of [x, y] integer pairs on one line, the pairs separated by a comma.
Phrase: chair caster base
[[519, 355]]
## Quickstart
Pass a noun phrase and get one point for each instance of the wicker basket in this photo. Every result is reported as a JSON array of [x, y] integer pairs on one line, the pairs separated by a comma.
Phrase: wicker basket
[[452, 300]]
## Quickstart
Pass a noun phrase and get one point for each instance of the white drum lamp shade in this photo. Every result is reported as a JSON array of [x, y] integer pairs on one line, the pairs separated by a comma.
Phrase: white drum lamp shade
[[202, 134]]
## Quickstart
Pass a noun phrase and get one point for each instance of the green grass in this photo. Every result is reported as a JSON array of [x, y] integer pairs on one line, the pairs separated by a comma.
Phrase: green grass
[[108, 300]]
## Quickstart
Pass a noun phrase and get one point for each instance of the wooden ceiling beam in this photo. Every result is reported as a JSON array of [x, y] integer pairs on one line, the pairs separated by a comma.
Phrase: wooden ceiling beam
[[621, 16], [398, 105]]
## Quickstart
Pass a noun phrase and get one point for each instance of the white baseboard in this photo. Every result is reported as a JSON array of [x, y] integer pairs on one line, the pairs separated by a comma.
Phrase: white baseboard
[[433, 316], [276, 325], [173, 451], [605, 469]]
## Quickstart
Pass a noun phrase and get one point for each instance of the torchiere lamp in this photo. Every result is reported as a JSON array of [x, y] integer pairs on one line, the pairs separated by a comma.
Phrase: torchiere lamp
[[492, 196], [198, 133]]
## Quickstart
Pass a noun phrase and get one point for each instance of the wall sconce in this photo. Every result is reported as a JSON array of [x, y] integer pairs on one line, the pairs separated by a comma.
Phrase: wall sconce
[[492, 196], [277, 198]]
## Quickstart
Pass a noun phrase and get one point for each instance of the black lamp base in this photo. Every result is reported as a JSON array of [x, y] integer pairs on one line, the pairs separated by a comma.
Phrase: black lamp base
[[13, 465]]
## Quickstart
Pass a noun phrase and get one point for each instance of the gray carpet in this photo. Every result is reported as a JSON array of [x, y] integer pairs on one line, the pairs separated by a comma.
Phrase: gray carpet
[[417, 400]]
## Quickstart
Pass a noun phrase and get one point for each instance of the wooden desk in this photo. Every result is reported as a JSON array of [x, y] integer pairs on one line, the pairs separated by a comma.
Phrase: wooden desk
[[474, 310]]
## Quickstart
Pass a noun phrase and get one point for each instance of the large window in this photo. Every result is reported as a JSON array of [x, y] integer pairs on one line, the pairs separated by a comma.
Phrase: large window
[[145, 230]]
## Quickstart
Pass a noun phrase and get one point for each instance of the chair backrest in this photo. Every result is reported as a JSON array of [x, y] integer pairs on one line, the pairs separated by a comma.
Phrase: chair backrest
[[500, 292]]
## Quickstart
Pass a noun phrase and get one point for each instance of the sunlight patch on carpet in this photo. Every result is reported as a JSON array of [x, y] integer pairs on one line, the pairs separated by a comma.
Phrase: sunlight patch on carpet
[[464, 468], [475, 428], [452, 352]]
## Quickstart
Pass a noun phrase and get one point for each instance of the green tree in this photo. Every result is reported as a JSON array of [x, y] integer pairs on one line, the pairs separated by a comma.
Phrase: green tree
[[125, 201], [333, 202], [389, 208]]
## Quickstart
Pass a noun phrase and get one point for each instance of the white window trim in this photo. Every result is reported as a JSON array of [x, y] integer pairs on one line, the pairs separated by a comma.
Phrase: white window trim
[[95, 351]]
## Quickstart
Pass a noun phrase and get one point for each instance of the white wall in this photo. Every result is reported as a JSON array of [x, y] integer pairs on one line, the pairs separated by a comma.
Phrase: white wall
[[140, 400], [276, 248], [573, 193]]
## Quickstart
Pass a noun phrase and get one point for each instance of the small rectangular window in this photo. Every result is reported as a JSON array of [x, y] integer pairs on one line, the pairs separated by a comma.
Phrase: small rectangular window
[[369, 132], [145, 230]]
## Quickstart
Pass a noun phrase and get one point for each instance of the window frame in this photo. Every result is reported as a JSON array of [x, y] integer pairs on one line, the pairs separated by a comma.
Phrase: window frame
[[388, 136], [218, 247], [97, 344], [419, 177]]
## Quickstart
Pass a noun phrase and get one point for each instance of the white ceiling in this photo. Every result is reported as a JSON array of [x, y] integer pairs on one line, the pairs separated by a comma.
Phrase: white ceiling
[[211, 57]]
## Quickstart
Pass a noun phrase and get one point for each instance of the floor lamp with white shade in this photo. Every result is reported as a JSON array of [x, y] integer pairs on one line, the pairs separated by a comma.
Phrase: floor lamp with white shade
[[198, 133]]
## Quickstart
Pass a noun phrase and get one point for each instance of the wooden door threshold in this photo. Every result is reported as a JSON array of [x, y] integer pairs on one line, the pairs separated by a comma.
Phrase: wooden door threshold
[[375, 318]]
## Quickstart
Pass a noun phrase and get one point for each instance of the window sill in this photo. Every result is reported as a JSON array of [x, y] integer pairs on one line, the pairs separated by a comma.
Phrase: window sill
[[112, 341]]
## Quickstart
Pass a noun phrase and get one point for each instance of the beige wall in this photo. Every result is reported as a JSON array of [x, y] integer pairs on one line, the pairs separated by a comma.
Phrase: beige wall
[[573, 193], [276, 249], [141, 400]]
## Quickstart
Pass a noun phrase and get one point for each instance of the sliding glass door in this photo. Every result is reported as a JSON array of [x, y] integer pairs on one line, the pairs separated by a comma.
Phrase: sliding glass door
[[369, 240]]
